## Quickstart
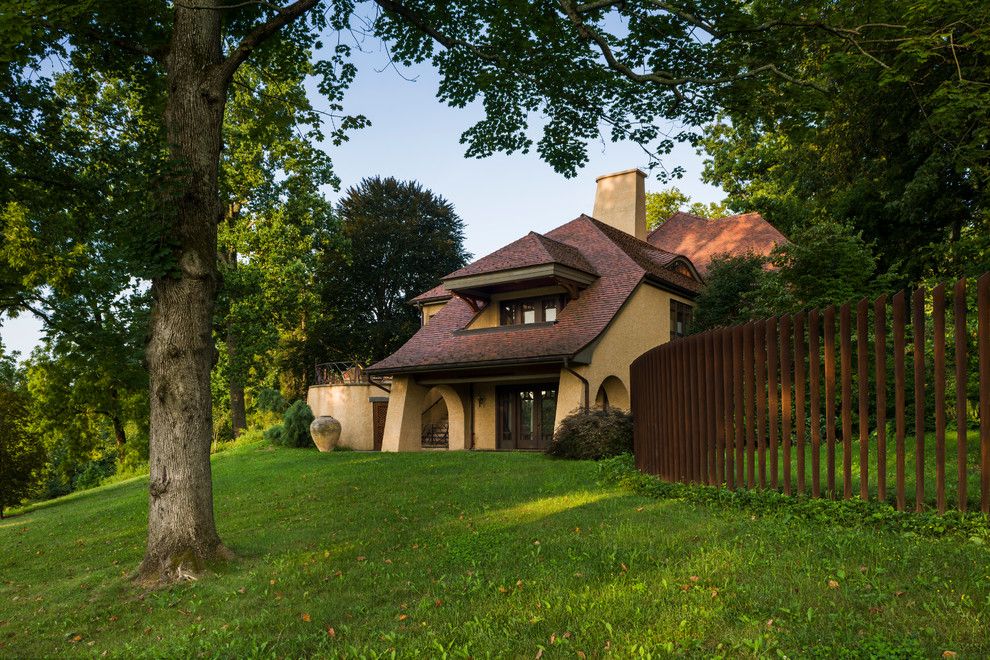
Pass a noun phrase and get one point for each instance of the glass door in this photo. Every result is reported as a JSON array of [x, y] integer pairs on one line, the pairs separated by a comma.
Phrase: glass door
[[525, 416]]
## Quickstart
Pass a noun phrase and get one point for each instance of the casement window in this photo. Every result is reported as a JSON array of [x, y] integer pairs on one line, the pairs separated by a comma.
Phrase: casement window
[[680, 319], [530, 310]]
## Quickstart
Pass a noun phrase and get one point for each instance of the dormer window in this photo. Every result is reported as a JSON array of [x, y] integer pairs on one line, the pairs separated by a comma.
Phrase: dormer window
[[524, 311]]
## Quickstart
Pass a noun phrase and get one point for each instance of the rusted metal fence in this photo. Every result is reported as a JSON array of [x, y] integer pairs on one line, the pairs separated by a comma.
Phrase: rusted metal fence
[[743, 406]]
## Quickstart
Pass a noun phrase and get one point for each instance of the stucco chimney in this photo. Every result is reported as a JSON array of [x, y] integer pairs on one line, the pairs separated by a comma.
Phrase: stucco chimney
[[620, 201]]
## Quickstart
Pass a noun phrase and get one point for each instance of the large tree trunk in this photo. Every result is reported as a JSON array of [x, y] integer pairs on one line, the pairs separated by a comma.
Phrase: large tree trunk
[[182, 535], [238, 410]]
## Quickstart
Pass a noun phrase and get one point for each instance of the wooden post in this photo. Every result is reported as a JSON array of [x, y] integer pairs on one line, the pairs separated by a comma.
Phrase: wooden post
[[799, 393], [830, 398], [785, 399], [863, 380], [938, 317], [846, 367], [772, 398], [880, 357], [959, 319], [761, 400], [815, 419], [918, 313]]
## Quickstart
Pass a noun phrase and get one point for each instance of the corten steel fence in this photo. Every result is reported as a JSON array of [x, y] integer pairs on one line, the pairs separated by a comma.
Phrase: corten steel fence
[[818, 402]]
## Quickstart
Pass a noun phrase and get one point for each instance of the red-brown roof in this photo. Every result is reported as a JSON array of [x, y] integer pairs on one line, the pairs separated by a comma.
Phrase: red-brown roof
[[700, 239], [439, 292], [621, 262], [531, 250]]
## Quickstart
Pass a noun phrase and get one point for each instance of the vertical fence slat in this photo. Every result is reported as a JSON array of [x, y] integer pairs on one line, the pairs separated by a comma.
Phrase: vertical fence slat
[[938, 318], [799, 392], [709, 408], [815, 418], [918, 314], [846, 368], [727, 397], [748, 370], [880, 361], [694, 465], [737, 405], [684, 456], [785, 399], [830, 398], [700, 416], [899, 419], [719, 412], [761, 400], [772, 361], [983, 342], [961, 337], [863, 381]]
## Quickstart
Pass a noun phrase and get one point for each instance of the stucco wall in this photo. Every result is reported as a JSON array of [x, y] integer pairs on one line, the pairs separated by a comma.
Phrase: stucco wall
[[484, 420], [351, 406], [642, 323]]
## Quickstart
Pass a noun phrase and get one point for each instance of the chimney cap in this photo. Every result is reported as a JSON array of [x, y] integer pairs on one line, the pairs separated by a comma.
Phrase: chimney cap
[[629, 171]]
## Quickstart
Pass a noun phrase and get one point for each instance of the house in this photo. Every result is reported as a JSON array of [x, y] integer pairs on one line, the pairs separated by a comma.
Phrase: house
[[519, 339]]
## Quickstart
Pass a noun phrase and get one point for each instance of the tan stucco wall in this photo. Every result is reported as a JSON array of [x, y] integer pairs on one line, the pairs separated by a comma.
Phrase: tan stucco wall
[[489, 316], [349, 405], [407, 404], [428, 311], [641, 324], [484, 420]]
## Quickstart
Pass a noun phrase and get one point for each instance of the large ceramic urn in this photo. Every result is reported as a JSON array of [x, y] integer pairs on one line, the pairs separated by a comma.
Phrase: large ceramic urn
[[326, 432]]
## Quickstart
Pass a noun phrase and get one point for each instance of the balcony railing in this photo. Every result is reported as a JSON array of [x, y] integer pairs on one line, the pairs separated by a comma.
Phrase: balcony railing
[[345, 373], [436, 436]]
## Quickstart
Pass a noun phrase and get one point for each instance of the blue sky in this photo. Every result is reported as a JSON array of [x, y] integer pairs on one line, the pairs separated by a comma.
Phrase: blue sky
[[413, 136]]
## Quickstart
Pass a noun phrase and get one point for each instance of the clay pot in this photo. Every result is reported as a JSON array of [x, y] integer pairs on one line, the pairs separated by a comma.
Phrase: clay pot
[[326, 432]]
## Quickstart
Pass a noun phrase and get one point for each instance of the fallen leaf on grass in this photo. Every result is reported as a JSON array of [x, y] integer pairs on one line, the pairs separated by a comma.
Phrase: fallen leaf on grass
[[361, 558], [403, 617], [832, 584], [539, 654], [331, 632], [581, 655], [694, 578], [949, 654], [437, 603], [306, 617], [624, 567], [714, 592]]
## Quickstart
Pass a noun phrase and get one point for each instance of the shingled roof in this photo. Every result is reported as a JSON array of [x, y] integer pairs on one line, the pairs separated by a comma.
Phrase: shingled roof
[[700, 239], [621, 263], [531, 250]]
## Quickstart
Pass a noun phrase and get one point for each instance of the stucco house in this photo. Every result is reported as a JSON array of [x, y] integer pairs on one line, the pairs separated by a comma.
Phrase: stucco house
[[517, 340]]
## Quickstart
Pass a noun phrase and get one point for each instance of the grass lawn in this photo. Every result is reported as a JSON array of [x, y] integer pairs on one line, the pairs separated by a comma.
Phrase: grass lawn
[[478, 554], [910, 467]]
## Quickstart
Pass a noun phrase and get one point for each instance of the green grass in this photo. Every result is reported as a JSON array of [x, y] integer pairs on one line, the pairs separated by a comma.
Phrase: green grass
[[478, 554], [910, 467]]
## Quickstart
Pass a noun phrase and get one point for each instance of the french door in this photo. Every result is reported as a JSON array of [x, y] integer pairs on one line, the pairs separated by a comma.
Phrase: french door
[[525, 415]]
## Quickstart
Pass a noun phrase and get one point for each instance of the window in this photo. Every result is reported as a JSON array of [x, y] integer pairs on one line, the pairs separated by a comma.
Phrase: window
[[530, 310], [680, 319]]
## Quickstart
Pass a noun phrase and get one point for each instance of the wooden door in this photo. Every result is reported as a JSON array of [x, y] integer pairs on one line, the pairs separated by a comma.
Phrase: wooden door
[[378, 411], [525, 416]]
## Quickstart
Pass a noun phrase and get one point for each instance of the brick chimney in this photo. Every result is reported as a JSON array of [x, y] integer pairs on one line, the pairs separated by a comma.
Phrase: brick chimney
[[620, 201]]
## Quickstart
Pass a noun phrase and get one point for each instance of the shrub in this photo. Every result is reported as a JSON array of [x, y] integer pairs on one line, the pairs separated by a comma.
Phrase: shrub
[[294, 430], [273, 434], [593, 434]]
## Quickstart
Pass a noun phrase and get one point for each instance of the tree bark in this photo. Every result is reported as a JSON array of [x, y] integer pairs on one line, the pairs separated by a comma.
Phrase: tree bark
[[182, 535], [238, 410]]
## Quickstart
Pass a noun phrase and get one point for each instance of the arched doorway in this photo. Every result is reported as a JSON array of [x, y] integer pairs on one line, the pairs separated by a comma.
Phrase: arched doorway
[[443, 419], [612, 394]]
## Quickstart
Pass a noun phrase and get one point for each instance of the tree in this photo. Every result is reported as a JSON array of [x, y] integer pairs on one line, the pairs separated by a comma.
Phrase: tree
[[21, 453], [564, 61], [824, 264], [898, 147], [661, 205], [399, 239]]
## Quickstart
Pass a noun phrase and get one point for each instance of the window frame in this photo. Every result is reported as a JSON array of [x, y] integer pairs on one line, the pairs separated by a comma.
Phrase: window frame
[[512, 312], [680, 313]]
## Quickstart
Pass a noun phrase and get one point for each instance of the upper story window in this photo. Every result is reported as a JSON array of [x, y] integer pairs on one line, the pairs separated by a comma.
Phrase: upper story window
[[680, 318], [530, 310]]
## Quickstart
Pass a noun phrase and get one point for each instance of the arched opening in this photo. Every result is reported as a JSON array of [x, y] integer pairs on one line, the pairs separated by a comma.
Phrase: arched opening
[[443, 419], [435, 420], [612, 394]]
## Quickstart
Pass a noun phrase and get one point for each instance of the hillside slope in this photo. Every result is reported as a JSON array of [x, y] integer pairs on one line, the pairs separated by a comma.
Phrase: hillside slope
[[477, 554]]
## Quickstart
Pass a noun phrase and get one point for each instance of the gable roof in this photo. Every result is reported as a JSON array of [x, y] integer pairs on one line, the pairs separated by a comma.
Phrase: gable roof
[[437, 293], [621, 263], [700, 239], [531, 250]]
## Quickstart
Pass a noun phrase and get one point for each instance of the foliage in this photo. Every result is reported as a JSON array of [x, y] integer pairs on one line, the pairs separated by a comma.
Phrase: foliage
[[21, 453], [612, 570], [593, 434], [852, 513], [728, 284], [294, 430], [825, 263], [661, 205], [895, 148], [398, 240]]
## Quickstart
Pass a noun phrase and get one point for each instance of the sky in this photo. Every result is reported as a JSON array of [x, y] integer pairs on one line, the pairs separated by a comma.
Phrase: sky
[[413, 136]]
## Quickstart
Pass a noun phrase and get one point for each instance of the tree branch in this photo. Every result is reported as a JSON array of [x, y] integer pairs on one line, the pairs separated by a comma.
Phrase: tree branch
[[283, 16]]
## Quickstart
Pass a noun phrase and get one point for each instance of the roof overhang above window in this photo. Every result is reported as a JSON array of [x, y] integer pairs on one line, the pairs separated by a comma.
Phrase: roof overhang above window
[[483, 285]]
